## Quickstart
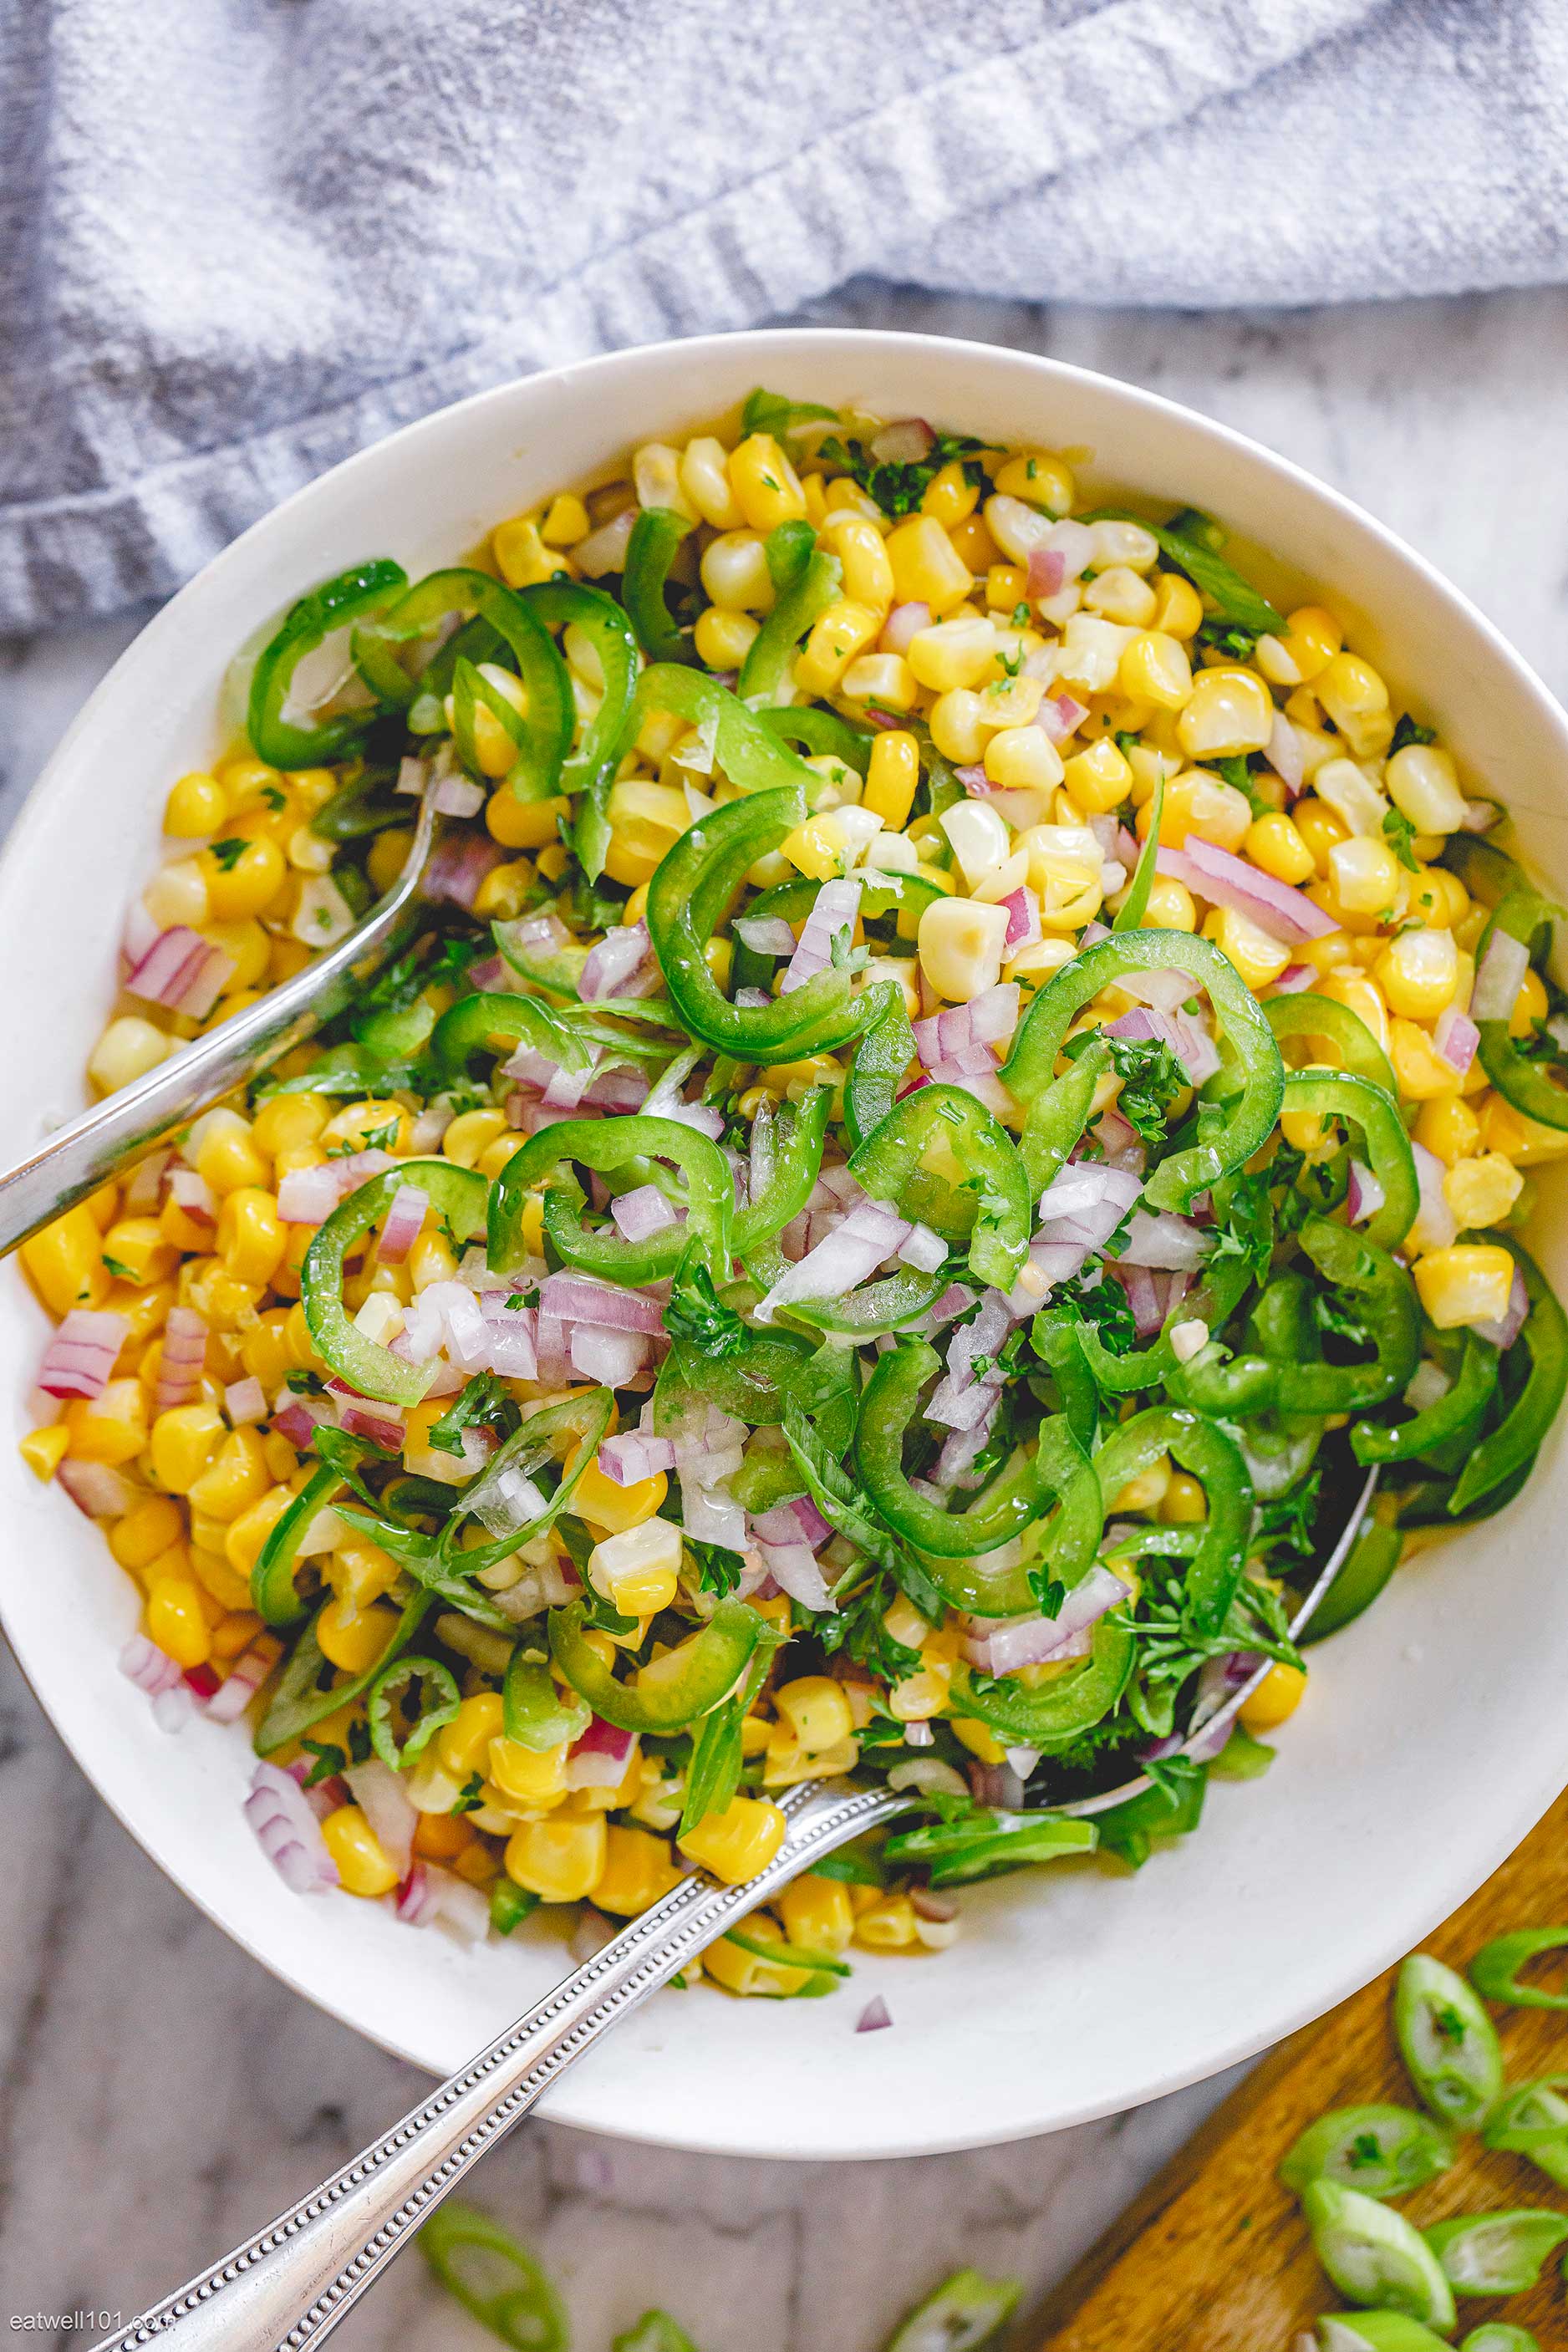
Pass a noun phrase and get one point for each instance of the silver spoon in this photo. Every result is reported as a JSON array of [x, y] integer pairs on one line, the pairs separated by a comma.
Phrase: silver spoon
[[285, 2287], [77, 1158]]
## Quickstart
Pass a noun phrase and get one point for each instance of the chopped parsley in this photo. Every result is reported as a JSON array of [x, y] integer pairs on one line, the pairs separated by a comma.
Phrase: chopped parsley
[[1151, 1075], [1410, 730], [120, 1271], [1400, 836], [899, 488], [1104, 1303], [483, 1403], [697, 1314], [857, 1630], [328, 1760], [1285, 1522], [471, 1796]]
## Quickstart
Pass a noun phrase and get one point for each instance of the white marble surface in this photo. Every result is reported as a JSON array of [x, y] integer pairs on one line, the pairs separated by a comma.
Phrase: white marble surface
[[160, 2095]]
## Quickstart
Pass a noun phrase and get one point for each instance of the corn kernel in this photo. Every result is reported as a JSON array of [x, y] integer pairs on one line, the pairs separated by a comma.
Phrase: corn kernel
[[1120, 594], [958, 652], [43, 1449], [1356, 700], [1418, 972], [519, 824], [1312, 638], [1178, 608], [860, 550], [735, 572], [1039, 477], [472, 1132], [521, 557], [236, 1477], [354, 1638], [248, 1532], [885, 679], [362, 1859], [817, 1914], [221, 1149], [561, 1857], [957, 723], [1170, 905], [1229, 713], [1277, 1697], [1257, 954], [638, 1870], [1023, 759], [1099, 779], [738, 1841], [927, 568], [891, 775], [1481, 1192], [1276, 846], [1416, 1065], [605, 1505], [766, 486], [724, 639], [1449, 1128], [1524, 1141], [705, 480], [816, 1711], [645, 820], [176, 1622], [66, 1262], [462, 1746], [1363, 876], [1467, 1283], [889, 1924], [836, 637], [197, 804], [527, 1775], [1199, 803], [1154, 667], [566, 522], [961, 944], [635, 1571]]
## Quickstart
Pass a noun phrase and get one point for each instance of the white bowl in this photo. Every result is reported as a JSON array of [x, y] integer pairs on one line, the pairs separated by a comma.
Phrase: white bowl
[[1435, 1733]]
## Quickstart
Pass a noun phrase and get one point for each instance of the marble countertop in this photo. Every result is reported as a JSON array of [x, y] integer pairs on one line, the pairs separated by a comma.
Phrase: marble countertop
[[161, 2096]]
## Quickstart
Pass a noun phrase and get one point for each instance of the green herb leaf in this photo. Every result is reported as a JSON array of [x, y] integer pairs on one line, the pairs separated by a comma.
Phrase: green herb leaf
[[483, 1402]]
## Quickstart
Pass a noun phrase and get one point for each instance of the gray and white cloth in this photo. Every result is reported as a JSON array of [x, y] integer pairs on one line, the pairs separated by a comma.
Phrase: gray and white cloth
[[240, 238]]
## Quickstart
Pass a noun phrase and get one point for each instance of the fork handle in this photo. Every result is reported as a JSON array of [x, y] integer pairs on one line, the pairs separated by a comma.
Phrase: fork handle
[[77, 1158], [287, 2287]]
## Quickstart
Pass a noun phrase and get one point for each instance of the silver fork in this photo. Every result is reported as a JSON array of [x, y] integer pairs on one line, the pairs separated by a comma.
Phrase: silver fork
[[77, 1158], [288, 2285]]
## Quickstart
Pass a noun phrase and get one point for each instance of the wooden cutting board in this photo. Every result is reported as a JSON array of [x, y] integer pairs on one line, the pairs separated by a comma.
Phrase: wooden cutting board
[[1214, 2257]]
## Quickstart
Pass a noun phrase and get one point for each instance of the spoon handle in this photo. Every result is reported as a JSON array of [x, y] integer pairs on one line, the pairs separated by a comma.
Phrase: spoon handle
[[285, 2288], [78, 1158]]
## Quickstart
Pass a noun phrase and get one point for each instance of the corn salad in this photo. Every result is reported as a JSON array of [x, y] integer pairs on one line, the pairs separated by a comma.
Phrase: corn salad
[[963, 1076]]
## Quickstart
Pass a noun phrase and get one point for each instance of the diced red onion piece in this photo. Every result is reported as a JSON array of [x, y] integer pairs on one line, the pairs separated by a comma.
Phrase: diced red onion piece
[[975, 779], [1481, 815], [457, 796], [766, 935], [1058, 715], [610, 1357], [793, 1569], [181, 1359], [457, 868], [298, 1419], [903, 624], [1001, 1646], [874, 2016], [909, 441], [1227, 881], [243, 1680], [245, 1401], [288, 1831], [1294, 979], [1428, 1384], [382, 1424], [643, 1212], [1436, 1224], [80, 1357], [1363, 1194], [1455, 1038], [634, 1455], [1505, 1331], [835, 909], [167, 969], [922, 1249], [1283, 754], [620, 965], [1047, 572], [577, 1298], [1023, 919], [601, 1756], [605, 549], [835, 1266], [150, 1669], [1500, 978], [382, 1797], [1165, 1240], [402, 1226], [307, 1196]]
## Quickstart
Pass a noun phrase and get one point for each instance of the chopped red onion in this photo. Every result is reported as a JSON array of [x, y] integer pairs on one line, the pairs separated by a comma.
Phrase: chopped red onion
[[307, 1196], [1165, 1240], [243, 1680], [634, 1455], [922, 1249], [1294, 979], [903, 624], [766, 935], [382, 1797], [455, 871], [289, 1833], [1283, 754], [794, 1569], [613, 1357], [144, 1192], [1436, 1223], [1227, 881], [1058, 715], [960, 1447], [622, 964], [1023, 919], [245, 1401], [1500, 978], [1047, 572], [855, 1248], [513, 1348], [601, 1757], [1186, 1038], [402, 1224], [182, 971], [1427, 1385], [975, 779], [1001, 1646], [533, 935], [835, 911], [359, 1416], [505, 1501], [605, 549], [1481, 815], [181, 1359], [578, 1297], [1363, 1194], [1143, 1297], [150, 1669], [1455, 1038], [1506, 1329], [81, 1355], [996, 1784], [643, 1212], [412, 775], [874, 2016], [907, 442], [455, 797], [919, 1735], [300, 1418]]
